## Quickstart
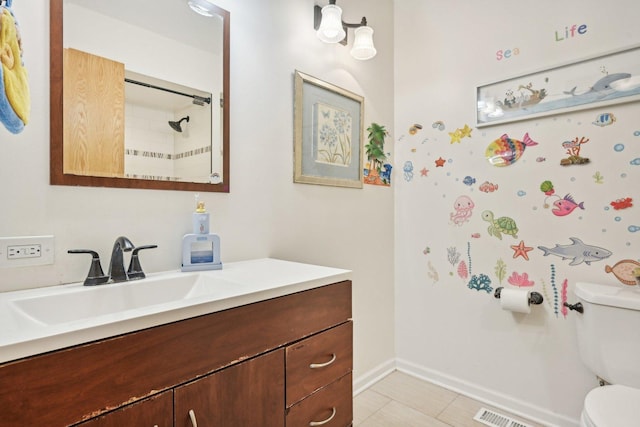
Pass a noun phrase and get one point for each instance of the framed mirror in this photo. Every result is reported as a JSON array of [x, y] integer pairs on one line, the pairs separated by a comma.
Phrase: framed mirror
[[139, 95]]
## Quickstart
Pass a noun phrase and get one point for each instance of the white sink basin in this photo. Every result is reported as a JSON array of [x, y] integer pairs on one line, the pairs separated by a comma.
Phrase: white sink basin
[[45, 319], [83, 302]]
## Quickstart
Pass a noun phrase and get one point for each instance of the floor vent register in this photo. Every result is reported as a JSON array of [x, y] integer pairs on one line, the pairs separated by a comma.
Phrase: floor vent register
[[494, 419]]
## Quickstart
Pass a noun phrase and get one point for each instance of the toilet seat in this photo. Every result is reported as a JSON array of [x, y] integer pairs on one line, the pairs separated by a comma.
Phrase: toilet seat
[[611, 406]]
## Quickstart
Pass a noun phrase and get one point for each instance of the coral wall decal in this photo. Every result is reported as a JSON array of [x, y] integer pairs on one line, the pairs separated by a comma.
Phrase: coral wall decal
[[481, 282], [573, 150], [520, 280]]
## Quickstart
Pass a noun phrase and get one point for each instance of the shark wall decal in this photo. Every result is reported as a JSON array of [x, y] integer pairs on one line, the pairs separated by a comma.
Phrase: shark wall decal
[[578, 252]]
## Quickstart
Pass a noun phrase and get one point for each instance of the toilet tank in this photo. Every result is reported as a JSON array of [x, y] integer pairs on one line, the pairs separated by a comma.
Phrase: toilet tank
[[608, 331]]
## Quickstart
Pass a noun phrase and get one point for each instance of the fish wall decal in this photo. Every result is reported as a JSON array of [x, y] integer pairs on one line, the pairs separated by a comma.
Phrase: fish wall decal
[[565, 206], [623, 271], [505, 151]]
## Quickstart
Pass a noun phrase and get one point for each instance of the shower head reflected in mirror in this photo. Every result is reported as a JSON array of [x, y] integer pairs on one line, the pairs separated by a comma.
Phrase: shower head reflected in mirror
[[177, 125]]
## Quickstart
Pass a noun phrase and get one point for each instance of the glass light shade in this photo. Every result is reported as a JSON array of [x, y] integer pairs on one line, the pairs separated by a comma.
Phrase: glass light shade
[[331, 30], [363, 48], [202, 7]]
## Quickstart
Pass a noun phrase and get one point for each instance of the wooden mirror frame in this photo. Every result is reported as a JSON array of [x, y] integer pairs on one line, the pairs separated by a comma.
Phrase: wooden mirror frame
[[57, 175]]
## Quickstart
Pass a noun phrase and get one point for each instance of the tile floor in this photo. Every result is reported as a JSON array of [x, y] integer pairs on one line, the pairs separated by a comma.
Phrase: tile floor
[[400, 400]]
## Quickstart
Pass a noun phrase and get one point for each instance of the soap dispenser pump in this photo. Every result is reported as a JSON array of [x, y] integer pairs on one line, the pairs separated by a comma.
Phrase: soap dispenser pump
[[200, 249]]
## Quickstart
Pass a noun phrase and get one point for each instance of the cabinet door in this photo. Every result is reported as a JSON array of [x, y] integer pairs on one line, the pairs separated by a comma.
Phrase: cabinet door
[[248, 394], [154, 412]]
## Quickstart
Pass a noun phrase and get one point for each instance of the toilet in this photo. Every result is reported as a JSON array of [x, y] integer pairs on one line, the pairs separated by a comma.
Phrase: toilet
[[608, 333]]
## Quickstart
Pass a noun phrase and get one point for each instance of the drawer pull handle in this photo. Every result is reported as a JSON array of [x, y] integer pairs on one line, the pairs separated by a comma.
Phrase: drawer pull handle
[[320, 423], [192, 416], [322, 365]]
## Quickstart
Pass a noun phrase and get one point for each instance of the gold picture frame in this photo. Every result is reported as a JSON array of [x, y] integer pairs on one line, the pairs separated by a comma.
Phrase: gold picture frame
[[328, 136]]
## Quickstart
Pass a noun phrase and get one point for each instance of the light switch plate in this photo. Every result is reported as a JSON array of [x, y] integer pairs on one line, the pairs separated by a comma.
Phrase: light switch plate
[[26, 251]]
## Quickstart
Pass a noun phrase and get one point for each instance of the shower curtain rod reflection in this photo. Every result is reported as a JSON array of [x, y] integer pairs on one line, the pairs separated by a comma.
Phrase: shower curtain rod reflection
[[199, 100]]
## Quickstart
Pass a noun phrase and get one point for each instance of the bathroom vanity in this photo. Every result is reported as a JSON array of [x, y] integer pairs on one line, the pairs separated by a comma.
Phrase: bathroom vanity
[[275, 353]]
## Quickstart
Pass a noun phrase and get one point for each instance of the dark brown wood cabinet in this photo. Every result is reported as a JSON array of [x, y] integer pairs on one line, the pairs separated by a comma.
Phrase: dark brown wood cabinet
[[156, 411], [234, 367]]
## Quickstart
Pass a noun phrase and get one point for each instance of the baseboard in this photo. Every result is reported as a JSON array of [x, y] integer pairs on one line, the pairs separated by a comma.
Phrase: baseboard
[[363, 382], [490, 397]]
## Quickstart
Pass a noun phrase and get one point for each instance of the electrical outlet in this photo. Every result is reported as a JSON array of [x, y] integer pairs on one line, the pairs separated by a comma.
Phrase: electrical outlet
[[26, 251]]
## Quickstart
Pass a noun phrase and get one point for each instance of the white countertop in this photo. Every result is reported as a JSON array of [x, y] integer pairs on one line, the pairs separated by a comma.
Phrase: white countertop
[[237, 284]]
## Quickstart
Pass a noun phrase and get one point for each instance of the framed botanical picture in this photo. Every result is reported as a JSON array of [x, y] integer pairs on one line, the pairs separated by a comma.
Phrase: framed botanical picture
[[606, 79], [328, 140]]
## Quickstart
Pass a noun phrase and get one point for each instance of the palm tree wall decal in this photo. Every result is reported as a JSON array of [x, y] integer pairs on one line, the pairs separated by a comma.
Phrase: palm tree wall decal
[[375, 149]]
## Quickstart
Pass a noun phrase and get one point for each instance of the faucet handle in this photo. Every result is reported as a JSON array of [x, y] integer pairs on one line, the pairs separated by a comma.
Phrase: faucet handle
[[96, 276], [135, 269]]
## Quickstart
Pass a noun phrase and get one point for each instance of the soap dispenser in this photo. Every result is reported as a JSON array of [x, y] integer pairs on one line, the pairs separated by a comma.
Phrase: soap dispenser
[[200, 249]]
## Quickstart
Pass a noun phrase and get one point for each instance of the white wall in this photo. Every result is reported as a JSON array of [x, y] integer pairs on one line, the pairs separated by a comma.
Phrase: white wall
[[265, 214], [459, 336]]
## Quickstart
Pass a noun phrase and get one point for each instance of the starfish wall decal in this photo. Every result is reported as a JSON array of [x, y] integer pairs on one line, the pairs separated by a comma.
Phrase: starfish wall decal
[[521, 250]]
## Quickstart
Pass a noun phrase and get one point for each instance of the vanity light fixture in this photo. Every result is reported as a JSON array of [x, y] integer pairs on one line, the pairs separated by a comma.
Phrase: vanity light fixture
[[332, 29], [202, 7]]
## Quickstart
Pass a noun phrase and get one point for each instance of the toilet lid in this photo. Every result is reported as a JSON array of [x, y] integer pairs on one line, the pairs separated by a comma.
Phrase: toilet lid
[[613, 405]]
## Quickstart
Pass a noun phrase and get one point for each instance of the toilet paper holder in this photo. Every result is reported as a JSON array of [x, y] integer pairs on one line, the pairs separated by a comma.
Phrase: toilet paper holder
[[535, 298]]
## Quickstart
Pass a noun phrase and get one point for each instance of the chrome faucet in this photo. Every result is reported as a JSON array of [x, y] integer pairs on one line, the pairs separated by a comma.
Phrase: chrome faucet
[[117, 271]]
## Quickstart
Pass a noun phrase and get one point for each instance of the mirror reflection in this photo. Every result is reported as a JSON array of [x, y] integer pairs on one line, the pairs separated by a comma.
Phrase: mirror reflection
[[143, 95]]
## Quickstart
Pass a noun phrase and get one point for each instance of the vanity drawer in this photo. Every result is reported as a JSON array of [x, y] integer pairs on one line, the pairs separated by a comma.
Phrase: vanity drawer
[[317, 361], [331, 406]]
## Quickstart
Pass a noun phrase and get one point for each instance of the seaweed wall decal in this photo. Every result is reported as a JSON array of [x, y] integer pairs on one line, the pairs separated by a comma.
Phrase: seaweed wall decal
[[501, 270], [462, 270], [453, 255], [433, 273], [555, 289], [563, 296]]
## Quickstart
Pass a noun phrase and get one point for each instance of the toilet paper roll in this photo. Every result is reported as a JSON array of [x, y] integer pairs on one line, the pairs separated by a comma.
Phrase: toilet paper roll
[[516, 300]]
